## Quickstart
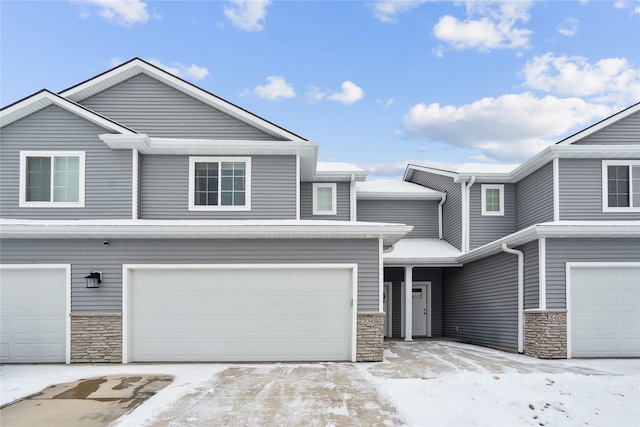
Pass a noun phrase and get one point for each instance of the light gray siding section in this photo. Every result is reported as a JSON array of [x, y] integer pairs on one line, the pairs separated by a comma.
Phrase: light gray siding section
[[486, 229], [531, 275], [481, 299], [87, 255], [152, 107], [581, 192], [622, 132], [561, 251], [534, 197], [452, 208], [165, 189], [421, 214], [343, 202], [107, 172]]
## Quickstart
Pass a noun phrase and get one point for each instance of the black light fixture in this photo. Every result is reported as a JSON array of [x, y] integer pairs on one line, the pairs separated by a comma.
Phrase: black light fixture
[[93, 279]]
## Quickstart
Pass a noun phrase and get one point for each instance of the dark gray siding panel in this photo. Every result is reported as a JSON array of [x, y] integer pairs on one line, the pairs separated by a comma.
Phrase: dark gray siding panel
[[486, 229], [534, 197], [481, 299], [622, 132], [452, 208], [343, 201], [151, 107], [165, 184], [85, 255], [107, 172], [531, 274], [581, 192], [421, 214], [561, 251], [396, 326]]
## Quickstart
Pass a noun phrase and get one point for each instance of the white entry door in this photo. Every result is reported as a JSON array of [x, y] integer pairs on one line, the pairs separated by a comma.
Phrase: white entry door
[[419, 310]]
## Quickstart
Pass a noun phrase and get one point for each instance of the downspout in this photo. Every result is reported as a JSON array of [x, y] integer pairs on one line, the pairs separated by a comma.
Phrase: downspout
[[352, 199], [444, 199], [468, 213], [463, 202], [520, 254]]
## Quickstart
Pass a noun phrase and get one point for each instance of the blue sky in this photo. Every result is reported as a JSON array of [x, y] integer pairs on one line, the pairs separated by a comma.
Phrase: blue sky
[[378, 84]]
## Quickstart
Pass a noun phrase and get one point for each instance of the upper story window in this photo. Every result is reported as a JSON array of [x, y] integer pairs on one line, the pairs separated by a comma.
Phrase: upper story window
[[324, 199], [52, 179], [621, 185], [220, 183], [492, 199]]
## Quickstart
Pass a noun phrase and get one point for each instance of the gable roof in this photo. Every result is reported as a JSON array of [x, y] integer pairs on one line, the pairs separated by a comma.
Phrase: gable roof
[[600, 125], [138, 66], [43, 99]]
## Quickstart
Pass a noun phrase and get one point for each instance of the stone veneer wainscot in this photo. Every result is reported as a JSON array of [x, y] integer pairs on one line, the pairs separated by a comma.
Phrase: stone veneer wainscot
[[96, 338], [370, 340], [545, 334]]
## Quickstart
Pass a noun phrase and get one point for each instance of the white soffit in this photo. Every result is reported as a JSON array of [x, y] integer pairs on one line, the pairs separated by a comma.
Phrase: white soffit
[[395, 190]]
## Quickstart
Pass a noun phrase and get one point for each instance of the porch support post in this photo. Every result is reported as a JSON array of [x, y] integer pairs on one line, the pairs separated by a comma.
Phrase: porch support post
[[408, 302]]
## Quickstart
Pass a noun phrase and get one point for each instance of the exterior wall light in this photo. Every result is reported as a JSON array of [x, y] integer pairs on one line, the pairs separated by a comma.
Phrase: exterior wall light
[[93, 279]]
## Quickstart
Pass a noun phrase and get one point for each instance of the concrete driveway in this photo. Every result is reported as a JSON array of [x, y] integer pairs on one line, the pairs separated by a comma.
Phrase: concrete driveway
[[420, 383]]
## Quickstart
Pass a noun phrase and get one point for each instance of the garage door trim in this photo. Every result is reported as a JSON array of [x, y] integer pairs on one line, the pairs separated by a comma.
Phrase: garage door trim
[[569, 266], [67, 270], [126, 284]]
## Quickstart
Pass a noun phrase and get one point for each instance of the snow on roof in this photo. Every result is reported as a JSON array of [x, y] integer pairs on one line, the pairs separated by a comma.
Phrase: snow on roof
[[492, 168], [422, 251], [395, 189], [338, 167]]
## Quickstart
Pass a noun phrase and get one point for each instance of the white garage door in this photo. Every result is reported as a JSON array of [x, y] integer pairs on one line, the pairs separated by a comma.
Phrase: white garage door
[[605, 311], [240, 314], [33, 304]]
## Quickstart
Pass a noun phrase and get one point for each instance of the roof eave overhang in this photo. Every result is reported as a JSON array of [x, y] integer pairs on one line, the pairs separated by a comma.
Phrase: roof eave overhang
[[132, 229], [422, 262], [338, 176], [363, 195]]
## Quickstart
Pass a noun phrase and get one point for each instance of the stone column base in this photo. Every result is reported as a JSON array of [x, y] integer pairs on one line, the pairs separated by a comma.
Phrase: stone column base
[[96, 338], [370, 340], [545, 334]]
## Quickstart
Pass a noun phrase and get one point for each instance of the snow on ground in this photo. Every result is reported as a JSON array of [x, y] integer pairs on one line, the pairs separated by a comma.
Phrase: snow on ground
[[429, 383]]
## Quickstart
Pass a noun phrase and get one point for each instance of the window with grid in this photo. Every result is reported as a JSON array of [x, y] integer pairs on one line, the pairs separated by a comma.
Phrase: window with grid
[[324, 199], [492, 199], [622, 183], [52, 179], [219, 183]]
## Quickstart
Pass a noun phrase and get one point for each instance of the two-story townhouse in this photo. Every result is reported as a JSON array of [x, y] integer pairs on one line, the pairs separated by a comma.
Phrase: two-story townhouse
[[145, 219], [542, 257]]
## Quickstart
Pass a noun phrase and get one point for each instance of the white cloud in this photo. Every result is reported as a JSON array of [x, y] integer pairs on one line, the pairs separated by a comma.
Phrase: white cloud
[[512, 127], [276, 88], [247, 15], [121, 12], [315, 94], [387, 10], [609, 80], [386, 103], [489, 25], [625, 4], [569, 27], [177, 69], [350, 94]]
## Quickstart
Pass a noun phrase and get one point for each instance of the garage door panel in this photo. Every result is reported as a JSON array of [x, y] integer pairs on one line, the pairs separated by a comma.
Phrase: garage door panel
[[605, 311], [250, 314]]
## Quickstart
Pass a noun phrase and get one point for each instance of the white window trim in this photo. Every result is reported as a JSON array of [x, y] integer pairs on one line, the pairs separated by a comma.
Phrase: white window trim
[[605, 185], [204, 159], [24, 203], [333, 187], [483, 189]]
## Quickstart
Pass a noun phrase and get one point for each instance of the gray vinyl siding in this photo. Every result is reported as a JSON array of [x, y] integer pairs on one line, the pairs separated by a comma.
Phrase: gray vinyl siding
[[149, 106], [165, 189], [531, 275], [452, 207], [343, 202], [107, 172], [481, 299], [534, 197], [420, 274], [85, 255], [561, 251], [421, 214], [622, 132], [484, 229], [581, 192]]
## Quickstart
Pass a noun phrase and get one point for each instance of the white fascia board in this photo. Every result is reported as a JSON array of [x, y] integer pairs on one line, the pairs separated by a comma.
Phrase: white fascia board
[[559, 230], [138, 66], [365, 195], [411, 167], [148, 229], [44, 98], [601, 125], [337, 176], [422, 262]]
